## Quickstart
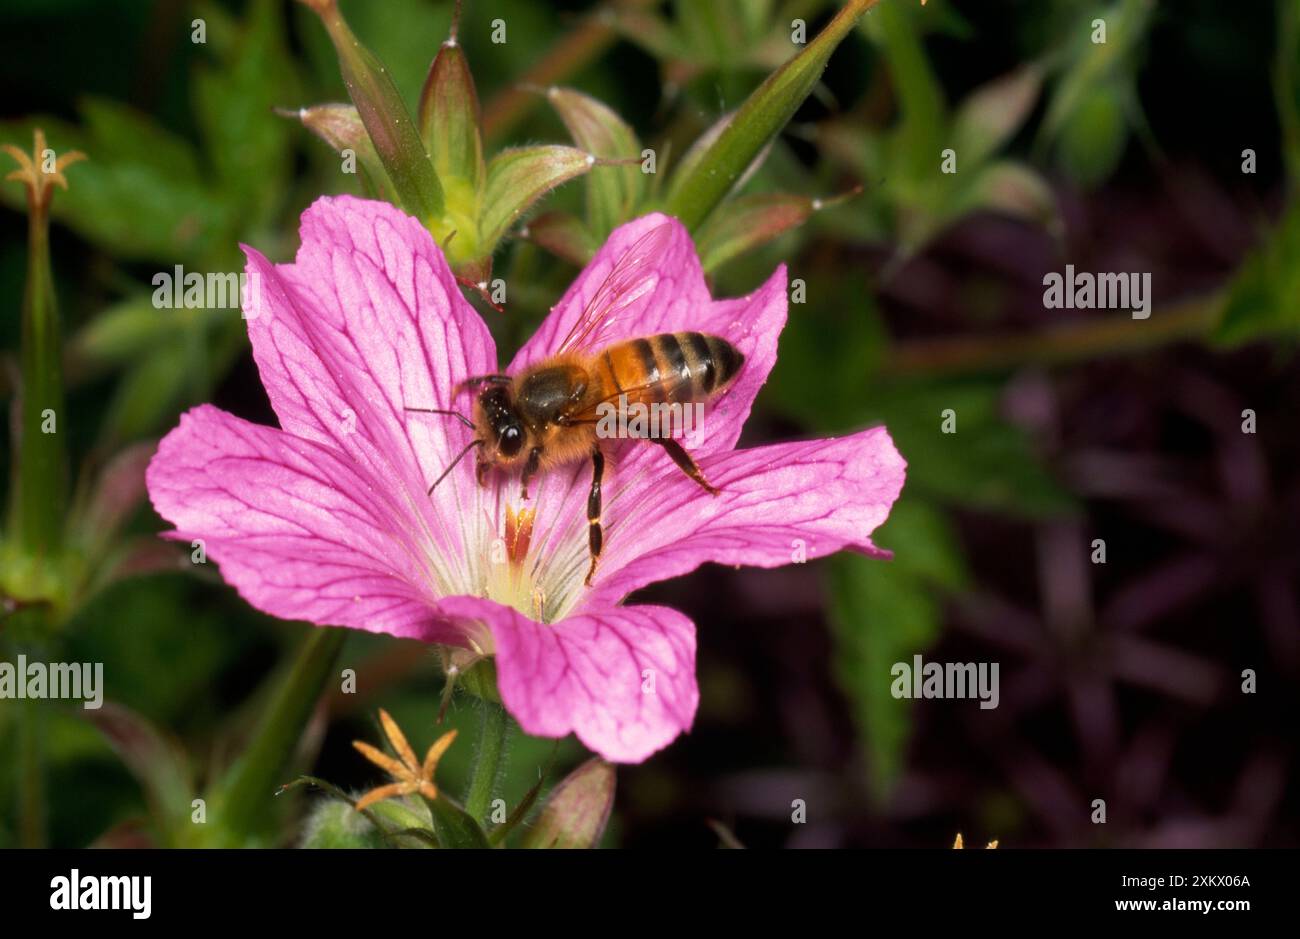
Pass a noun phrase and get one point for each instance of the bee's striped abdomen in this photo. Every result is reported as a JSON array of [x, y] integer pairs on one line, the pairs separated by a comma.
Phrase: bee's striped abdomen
[[673, 367]]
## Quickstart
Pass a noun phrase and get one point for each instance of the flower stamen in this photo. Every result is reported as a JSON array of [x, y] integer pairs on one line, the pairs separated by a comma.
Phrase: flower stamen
[[410, 774]]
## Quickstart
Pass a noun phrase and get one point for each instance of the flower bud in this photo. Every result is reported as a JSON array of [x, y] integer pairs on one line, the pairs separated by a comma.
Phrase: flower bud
[[379, 104], [577, 811]]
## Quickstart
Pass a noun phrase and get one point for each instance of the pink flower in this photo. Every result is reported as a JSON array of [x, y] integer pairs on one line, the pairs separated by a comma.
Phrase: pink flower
[[328, 519]]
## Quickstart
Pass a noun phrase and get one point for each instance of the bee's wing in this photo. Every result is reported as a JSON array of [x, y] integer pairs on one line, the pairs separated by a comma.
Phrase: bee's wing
[[648, 392], [636, 273]]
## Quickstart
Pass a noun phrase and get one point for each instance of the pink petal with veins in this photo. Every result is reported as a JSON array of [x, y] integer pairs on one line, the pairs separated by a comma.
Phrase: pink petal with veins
[[366, 322], [621, 679], [818, 496], [299, 530]]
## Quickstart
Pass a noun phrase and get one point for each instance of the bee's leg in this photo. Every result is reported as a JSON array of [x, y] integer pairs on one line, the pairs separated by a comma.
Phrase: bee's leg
[[595, 534], [686, 462], [480, 472], [530, 468]]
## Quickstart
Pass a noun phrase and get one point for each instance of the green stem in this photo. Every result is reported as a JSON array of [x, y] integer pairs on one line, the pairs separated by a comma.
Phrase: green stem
[[40, 485], [25, 633], [494, 728], [1114, 335], [31, 775], [245, 795]]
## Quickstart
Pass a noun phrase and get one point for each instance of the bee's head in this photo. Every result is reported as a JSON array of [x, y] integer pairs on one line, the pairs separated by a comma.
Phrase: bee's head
[[499, 425]]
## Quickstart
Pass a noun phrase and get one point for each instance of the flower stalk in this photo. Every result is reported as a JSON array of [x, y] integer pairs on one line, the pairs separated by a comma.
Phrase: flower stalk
[[1060, 345], [489, 760], [40, 485], [31, 775]]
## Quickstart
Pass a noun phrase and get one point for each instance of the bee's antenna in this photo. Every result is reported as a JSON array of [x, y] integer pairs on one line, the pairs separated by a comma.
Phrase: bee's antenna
[[456, 414], [468, 447]]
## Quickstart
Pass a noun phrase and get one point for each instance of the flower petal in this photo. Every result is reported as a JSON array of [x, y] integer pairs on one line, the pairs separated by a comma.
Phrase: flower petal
[[622, 679], [813, 498], [299, 530], [366, 322]]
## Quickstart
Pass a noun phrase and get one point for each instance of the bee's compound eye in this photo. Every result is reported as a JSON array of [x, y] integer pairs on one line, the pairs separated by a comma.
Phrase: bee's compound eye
[[512, 439]]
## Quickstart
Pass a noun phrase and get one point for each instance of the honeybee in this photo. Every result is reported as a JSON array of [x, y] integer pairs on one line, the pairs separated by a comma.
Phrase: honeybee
[[547, 415]]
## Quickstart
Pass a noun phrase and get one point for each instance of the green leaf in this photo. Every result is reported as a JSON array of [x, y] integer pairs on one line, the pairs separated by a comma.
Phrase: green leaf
[[1012, 189], [517, 178], [1093, 138], [121, 332], [577, 810], [613, 192], [813, 343], [234, 102], [883, 612], [1090, 64], [340, 126], [134, 328], [1262, 299], [153, 388], [453, 827], [651, 32], [499, 834], [708, 181], [690, 161], [1086, 117], [388, 122], [989, 117], [709, 30], [987, 463], [751, 221], [918, 139], [121, 134]]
